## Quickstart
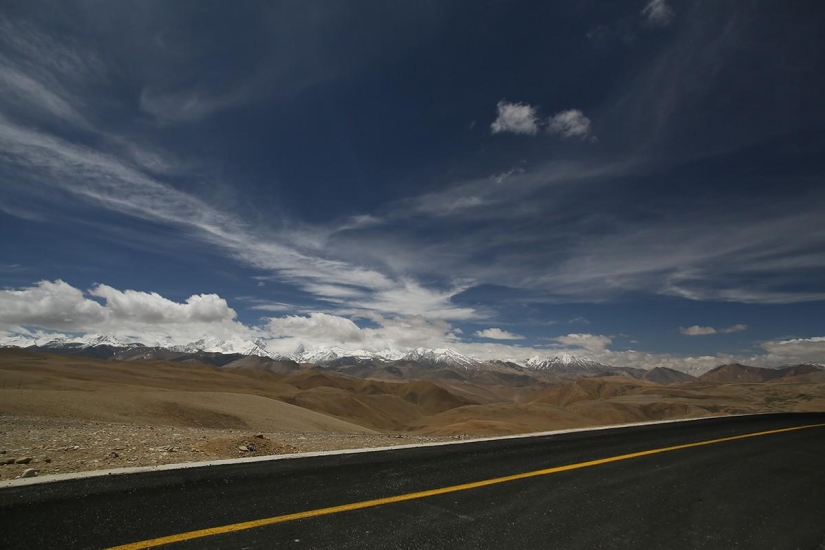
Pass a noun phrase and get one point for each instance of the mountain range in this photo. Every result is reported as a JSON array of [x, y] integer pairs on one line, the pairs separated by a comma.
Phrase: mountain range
[[388, 364]]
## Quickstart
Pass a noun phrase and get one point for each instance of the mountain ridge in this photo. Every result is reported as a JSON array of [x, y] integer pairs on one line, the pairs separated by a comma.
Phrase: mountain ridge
[[218, 352]]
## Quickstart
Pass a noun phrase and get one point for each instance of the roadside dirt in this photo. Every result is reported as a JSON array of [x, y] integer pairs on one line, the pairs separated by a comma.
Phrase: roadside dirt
[[59, 446]]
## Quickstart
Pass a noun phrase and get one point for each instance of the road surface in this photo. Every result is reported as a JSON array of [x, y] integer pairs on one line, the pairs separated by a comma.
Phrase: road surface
[[742, 482]]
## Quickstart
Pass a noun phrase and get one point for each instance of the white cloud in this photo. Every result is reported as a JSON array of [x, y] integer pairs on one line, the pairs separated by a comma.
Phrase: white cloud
[[578, 320], [516, 118], [697, 330], [498, 334], [316, 326], [51, 305], [57, 305], [567, 124], [150, 307], [796, 350], [391, 333], [591, 342], [658, 13], [35, 312]]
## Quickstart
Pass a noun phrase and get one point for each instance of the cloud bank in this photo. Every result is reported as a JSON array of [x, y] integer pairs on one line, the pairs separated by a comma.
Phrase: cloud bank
[[48, 308]]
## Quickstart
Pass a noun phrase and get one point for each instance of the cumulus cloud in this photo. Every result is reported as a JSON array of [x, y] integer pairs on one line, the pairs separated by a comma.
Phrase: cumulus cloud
[[317, 330], [516, 118], [568, 124], [150, 307], [658, 13], [498, 334], [316, 326], [58, 306], [591, 342], [50, 304], [697, 330], [522, 118]]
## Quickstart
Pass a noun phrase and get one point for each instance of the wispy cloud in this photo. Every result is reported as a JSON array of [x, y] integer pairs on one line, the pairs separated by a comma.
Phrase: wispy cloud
[[658, 13], [107, 181], [41, 79], [697, 330]]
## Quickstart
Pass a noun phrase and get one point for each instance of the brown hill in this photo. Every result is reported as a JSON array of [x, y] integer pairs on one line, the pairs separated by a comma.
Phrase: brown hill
[[176, 393], [746, 374], [379, 404], [586, 389], [666, 376], [264, 363], [141, 390]]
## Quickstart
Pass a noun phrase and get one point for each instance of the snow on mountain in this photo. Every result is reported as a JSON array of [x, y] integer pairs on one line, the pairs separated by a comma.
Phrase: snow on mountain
[[60, 342], [236, 345], [440, 356], [17, 341], [564, 363], [94, 340], [319, 356]]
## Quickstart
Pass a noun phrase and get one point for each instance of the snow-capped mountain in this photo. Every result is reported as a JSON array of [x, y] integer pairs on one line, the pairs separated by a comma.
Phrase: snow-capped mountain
[[94, 340], [59, 342], [17, 341], [440, 356], [235, 345], [565, 364]]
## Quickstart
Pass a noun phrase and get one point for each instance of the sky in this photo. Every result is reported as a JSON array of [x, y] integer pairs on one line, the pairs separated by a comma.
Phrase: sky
[[637, 182]]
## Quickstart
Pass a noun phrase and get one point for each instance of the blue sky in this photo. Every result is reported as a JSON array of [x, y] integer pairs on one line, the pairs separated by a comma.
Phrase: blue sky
[[641, 182]]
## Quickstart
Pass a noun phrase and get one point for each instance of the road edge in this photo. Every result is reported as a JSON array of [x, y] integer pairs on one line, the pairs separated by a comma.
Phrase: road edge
[[295, 456]]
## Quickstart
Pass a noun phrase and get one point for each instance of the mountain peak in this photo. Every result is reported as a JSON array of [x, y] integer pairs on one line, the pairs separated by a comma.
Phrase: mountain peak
[[565, 363]]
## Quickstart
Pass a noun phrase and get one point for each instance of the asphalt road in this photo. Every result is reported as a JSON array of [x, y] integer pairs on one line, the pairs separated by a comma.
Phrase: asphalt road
[[765, 491]]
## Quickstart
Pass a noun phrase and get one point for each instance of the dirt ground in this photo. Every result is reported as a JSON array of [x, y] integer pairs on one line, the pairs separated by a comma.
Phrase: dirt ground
[[59, 446]]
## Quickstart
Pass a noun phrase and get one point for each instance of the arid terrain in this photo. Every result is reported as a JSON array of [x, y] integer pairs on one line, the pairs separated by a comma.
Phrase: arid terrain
[[69, 414]]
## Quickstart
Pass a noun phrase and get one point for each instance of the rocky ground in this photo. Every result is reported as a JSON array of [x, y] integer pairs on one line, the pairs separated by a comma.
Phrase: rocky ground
[[58, 446]]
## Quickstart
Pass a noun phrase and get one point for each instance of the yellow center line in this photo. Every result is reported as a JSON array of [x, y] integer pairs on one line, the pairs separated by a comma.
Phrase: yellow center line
[[234, 527]]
